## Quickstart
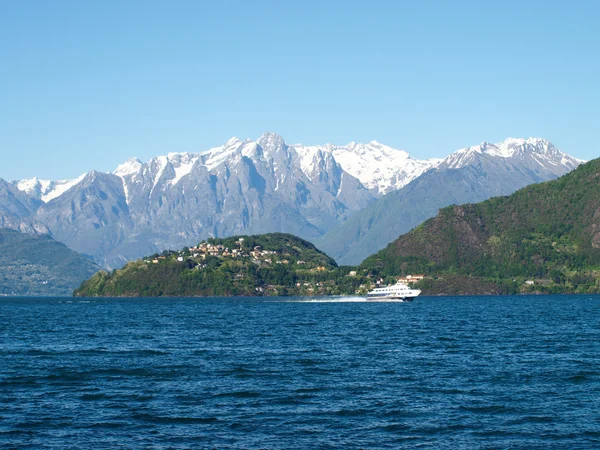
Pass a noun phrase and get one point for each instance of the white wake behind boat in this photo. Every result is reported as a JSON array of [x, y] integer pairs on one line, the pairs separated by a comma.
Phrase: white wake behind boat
[[397, 292]]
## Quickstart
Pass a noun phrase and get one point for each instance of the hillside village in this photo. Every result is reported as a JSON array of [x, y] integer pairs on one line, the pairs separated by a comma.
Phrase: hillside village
[[198, 255], [304, 274], [271, 264]]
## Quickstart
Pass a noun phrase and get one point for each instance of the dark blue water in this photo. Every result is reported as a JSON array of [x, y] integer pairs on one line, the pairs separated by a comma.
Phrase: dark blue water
[[475, 372]]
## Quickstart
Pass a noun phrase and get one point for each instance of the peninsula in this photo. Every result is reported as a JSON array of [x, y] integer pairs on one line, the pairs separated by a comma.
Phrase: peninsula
[[267, 264]]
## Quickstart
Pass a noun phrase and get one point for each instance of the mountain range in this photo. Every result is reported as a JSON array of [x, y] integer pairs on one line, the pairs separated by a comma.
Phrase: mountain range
[[351, 200], [543, 238]]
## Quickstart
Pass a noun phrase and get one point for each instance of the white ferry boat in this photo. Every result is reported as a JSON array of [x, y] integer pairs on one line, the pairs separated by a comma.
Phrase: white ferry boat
[[397, 292]]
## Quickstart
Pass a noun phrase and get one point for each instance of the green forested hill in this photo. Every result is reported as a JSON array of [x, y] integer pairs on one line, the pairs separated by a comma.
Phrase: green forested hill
[[548, 234], [38, 265], [269, 264]]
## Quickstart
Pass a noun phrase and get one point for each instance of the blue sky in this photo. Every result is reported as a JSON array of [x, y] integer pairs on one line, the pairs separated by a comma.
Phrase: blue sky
[[85, 85]]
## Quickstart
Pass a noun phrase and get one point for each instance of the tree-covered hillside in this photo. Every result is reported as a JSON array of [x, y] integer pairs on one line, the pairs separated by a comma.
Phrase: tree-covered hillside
[[269, 264], [547, 233], [38, 265]]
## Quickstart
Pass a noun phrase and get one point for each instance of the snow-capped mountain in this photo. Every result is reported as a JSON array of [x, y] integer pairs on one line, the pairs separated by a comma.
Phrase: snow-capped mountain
[[468, 175], [174, 200], [378, 167], [246, 186], [46, 190], [535, 151], [17, 210]]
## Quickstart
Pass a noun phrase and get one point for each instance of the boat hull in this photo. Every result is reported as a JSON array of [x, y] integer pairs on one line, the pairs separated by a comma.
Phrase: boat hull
[[390, 299]]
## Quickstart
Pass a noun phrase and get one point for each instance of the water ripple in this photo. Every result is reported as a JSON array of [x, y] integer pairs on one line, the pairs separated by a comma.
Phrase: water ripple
[[463, 372]]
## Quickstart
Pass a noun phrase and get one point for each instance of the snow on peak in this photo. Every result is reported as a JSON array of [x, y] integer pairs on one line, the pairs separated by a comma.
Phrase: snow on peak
[[308, 155], [377, 166], [132, 165], [540, 149], [33, 186], [511, 146], [61, 187], [182, 163], [248, 148], [47, 190], [271, 142], [516, 142], [213, 157], [233, 141]]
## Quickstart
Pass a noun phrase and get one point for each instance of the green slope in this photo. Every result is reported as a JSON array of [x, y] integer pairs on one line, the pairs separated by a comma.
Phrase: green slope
[[269, 264], [547, 233], [38, 265]]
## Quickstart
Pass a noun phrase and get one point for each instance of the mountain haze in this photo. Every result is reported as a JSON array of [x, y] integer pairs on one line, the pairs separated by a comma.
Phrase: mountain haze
[[38, 265]]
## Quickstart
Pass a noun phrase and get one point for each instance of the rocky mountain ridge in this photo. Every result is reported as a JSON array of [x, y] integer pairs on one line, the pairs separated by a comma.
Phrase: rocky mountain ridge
[[378, 167], [241, 187]]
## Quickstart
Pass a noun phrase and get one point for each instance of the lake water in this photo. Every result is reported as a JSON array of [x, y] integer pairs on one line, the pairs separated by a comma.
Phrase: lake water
[[447, 372]]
